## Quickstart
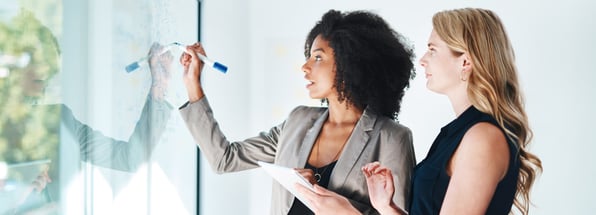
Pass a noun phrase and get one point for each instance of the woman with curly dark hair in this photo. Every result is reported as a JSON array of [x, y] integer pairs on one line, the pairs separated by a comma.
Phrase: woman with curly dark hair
[[360, 67]]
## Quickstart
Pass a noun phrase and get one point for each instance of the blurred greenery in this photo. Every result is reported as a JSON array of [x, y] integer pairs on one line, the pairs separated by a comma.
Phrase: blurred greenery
[[28, 131]]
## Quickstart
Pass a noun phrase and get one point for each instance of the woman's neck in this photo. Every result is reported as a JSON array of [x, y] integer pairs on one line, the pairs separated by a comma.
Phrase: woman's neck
[[460, 103], [340, 113]]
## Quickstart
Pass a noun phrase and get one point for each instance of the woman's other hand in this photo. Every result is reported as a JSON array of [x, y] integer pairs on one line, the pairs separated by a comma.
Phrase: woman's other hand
[[41, 181], [380, 188], [323, 201]]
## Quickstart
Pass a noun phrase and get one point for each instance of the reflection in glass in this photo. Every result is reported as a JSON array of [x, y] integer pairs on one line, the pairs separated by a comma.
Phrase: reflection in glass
[[31, 122]]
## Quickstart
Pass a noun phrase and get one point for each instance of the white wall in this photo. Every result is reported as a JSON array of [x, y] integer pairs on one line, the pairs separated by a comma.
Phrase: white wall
[[229, 93], [261, 41]]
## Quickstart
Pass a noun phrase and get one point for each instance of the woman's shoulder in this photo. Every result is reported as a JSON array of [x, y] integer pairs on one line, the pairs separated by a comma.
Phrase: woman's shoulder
[[302, 116], [395, 137], [392, 132], [390, 125], [306, 111]]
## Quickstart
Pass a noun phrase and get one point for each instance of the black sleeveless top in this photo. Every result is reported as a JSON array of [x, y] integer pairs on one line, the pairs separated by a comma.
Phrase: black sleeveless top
[[430, 179], [298, 208]]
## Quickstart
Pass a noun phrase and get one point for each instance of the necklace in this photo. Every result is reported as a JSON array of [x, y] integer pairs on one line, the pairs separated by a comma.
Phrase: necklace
[[317, 173]]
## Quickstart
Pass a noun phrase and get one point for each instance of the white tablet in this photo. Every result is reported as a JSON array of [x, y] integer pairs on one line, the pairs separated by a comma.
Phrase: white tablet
[[287, 177], [27, 172]]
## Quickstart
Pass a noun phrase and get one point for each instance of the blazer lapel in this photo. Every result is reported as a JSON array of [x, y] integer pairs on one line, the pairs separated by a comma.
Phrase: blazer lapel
[[309, 139], [353, 149]]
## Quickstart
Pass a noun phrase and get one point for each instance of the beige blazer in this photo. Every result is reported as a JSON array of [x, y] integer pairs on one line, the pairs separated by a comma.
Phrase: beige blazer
[[374, 138]]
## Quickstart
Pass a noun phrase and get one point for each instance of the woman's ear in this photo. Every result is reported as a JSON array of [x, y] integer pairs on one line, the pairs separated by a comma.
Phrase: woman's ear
[[466, 67], [466, 64]]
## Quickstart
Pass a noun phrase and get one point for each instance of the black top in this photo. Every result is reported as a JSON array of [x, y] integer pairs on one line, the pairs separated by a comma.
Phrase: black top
[[430, 179], [298, 208]]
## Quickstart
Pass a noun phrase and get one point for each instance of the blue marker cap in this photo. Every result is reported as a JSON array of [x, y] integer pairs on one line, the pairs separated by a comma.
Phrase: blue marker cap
[[132, 67], [222, 68], [216, 65]]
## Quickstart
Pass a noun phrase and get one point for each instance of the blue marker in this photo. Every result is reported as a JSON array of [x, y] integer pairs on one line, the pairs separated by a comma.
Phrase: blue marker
[[214, 64], [137, 64]]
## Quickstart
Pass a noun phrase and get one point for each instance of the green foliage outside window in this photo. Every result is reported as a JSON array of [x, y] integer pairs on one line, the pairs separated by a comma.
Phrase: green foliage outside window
[[27, 131]]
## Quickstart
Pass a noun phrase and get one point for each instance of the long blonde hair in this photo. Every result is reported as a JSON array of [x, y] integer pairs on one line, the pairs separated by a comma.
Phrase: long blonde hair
[[493, 85]]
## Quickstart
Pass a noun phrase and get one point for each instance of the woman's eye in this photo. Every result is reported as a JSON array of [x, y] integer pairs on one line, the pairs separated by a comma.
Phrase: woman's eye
[[318, 58], [431, 51]]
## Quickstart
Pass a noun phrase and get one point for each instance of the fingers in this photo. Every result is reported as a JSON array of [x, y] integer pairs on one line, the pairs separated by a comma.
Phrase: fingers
[[166, 57], [47, 176], [156, 53], [197, 48], [160, 58], [41, 181], [370, 168], [190, 59], [308, 174], [309, 195], [322, 191], [185, 59], [155, 48], [192, 51], [374, 168], [304, 190], [192, 71]]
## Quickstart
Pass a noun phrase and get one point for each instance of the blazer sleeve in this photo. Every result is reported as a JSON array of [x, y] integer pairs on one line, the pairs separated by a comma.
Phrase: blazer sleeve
[[108, 152], [398, 155], [396, 152], [225, 156]]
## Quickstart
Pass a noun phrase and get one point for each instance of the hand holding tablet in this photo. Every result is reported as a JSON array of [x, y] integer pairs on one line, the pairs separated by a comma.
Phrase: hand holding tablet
[[287, 177]]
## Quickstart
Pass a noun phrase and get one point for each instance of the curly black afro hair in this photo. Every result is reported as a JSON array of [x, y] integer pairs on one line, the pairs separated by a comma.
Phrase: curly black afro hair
[[373, 64]]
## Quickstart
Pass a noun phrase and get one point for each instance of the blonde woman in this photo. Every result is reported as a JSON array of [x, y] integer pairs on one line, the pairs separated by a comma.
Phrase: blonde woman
[[479, 163]]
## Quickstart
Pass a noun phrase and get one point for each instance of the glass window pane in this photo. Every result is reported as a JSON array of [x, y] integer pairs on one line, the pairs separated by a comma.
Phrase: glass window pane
[[80, 130]]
